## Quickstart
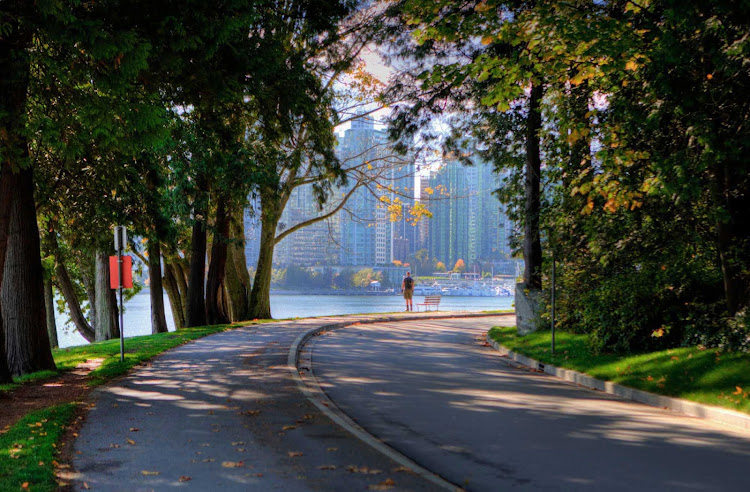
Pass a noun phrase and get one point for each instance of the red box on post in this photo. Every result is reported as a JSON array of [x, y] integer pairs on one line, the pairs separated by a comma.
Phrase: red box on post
[[127, 272]]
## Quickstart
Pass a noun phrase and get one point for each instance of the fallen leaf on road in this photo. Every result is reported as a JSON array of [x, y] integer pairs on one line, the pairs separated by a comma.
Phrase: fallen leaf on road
[[402, 469], [147, 472], [134, 429], [113, 445], [327, 467], [294, 454], [362, 469], [232, 464], [330, 450], [386, 484], [185, 478], [86, 486], [288, 427], [209, 460], [252, 412], [130, 441], [238, 443]]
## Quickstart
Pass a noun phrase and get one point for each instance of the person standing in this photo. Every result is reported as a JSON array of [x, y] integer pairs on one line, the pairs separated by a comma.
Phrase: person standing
[[407, 287]]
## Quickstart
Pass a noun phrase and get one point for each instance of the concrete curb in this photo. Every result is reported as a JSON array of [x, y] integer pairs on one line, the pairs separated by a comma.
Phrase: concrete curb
[[714, 414], [320, 399]]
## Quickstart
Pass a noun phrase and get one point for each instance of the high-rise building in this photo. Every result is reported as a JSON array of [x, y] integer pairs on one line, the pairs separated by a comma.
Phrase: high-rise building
[[367, 226], [368, 231], [467, 221], [314, 244]]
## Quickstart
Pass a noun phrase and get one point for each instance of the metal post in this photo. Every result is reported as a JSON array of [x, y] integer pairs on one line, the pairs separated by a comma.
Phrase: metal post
[[120, 240], [553, 303], [122, 327]]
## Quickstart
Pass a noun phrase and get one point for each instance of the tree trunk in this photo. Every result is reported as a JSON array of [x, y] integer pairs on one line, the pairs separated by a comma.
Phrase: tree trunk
[[237, 281], [27, 343], [158, 318], [6, 195], [87, 269], [260, 296], [532, 244], [49, 304], [175, 300], [196, 302], [180, 269], [215, 312], [106, 301], [74, 307], [733, 234], [14, 81]]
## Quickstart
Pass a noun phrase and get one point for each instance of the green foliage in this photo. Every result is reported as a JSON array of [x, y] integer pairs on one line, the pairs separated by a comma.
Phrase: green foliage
[[343, 279], [362, 278], [644, 122]]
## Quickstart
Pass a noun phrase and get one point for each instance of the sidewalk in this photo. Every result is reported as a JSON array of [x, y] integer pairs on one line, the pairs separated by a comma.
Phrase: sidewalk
[[225, 413]]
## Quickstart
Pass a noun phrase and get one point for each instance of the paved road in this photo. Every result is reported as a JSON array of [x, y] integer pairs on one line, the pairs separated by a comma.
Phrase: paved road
[[433, 391], [223, 413]]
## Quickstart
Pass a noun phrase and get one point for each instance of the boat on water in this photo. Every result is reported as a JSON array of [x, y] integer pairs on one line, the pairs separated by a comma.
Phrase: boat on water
[[426, 290], [464, 290]]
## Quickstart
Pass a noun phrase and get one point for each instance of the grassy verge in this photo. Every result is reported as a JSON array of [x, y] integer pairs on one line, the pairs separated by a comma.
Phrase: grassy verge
[[28, 449], [137, 351], [693, 373]]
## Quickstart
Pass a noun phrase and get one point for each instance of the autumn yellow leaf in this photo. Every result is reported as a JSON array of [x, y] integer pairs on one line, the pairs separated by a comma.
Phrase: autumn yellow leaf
[[232, 464], [739, 390], [148, 472], [386, 484], [294, 454], [130, 441]]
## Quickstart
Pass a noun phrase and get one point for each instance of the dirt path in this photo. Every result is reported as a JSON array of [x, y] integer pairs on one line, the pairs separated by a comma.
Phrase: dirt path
[[66, 387]]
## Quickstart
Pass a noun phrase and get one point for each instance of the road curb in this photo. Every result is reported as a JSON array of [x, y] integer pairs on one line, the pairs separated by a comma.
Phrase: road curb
[[678, 405], [320, 399]]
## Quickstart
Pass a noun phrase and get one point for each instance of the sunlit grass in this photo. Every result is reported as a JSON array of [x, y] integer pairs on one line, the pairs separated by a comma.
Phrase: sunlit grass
[[693, 373], [29, 448]]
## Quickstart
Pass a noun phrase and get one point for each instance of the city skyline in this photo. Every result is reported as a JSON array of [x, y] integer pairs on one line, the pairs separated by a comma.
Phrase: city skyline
[[467, 220]]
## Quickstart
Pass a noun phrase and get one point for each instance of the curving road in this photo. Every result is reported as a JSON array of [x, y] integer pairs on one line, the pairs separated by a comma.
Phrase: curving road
[[433, 391]]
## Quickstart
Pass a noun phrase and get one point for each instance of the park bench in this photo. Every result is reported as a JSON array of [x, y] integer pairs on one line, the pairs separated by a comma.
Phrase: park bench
[[429, 301]]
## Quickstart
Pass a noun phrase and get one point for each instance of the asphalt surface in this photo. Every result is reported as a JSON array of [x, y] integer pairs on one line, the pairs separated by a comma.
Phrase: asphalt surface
[[435, 392], [224, 413]]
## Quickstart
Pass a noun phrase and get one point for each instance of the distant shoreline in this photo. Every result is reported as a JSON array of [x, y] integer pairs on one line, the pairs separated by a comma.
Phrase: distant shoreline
[[331, 292]]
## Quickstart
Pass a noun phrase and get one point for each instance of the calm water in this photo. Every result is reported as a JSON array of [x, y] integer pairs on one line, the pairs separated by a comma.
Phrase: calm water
[[138, 310]]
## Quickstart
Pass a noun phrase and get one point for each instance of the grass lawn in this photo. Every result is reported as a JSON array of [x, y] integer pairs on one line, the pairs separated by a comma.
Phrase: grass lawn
[[28, 450], [694, 373]]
